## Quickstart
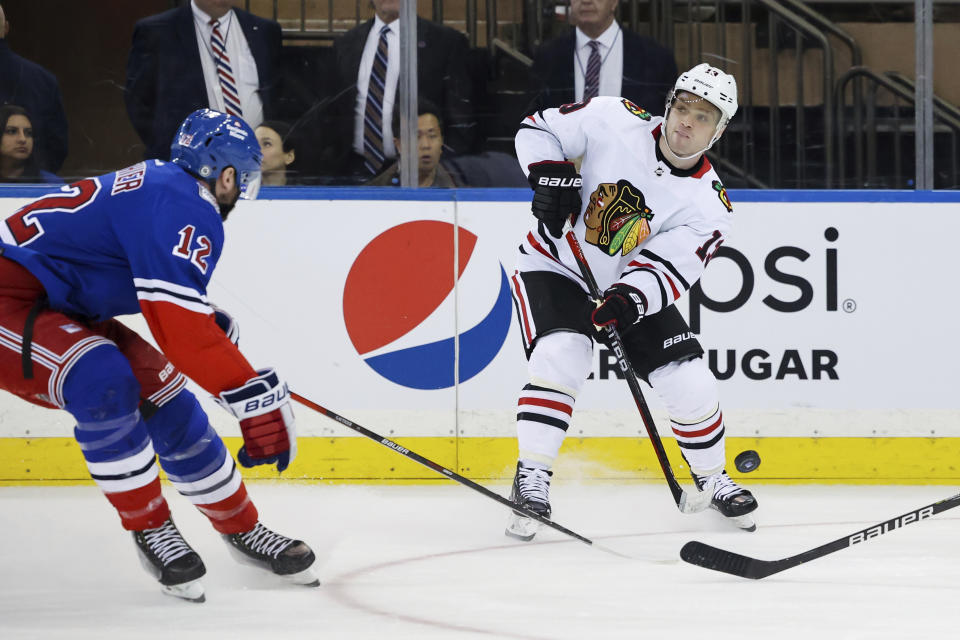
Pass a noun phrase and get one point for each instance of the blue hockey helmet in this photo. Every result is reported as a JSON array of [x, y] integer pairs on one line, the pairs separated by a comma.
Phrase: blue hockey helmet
[[209, 141]]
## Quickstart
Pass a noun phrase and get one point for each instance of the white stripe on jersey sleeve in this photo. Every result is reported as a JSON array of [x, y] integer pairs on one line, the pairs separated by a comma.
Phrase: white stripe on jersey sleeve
[[162, 291]]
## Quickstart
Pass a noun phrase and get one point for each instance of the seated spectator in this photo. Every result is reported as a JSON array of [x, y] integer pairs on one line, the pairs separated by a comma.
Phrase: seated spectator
[[17, 160], [278, 153], [369, 55], [600, 58], [32, 87], [430, 173], [205, 53]]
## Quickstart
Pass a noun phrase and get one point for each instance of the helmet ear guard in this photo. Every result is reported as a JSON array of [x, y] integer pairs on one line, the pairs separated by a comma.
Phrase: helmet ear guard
[[209, 141]]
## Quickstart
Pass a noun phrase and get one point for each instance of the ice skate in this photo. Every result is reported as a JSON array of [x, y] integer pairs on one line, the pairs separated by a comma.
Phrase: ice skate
[[167, 556], [531, 489], [291, 559], [731, 500]]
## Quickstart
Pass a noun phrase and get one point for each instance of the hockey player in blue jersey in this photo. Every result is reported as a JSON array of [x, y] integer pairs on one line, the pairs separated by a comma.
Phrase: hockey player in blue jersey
[[146, 239]]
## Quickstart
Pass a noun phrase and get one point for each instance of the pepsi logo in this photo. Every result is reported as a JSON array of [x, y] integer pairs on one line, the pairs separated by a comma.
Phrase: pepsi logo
[[400, 301]]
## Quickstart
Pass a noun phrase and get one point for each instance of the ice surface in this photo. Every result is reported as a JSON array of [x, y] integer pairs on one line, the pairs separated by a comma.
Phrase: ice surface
[[431, 562]]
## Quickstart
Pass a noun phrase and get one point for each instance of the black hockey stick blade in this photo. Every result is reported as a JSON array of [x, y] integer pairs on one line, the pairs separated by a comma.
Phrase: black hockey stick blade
[[456, 477], [709, 557]]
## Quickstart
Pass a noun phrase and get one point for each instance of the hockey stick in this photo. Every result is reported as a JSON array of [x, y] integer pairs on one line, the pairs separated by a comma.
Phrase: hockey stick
[[703, 555], [416, 457], [687, 502]]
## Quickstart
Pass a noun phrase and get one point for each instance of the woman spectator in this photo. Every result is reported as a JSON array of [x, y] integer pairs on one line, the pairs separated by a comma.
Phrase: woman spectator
[[17, 160], [278, 153]]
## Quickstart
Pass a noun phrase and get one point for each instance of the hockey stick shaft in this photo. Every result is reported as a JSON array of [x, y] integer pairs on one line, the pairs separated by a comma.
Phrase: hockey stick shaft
[[709, 557], [430, 464], [685, 502]]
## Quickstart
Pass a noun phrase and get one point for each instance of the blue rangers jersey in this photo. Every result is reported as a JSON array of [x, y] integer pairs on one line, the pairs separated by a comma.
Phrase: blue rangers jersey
[[143, 239]]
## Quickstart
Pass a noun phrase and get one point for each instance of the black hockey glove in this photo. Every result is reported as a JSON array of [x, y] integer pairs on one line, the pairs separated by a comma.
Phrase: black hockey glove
[[556, 193], [622, 306]]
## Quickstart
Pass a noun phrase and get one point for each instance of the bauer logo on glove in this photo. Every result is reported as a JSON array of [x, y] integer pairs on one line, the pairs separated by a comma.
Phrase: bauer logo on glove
[[545, 181], [622, 305], [556, 194]]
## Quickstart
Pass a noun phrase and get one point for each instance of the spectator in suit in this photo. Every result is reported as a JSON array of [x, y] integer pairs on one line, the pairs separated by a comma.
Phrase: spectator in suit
[[599, 57], [204, 54], [430, 172], [442, 78], [18, 162], [279, 153], [32, 87]]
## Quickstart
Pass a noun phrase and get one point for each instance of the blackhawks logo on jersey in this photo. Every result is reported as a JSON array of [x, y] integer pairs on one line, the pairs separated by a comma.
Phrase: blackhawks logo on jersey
[[635, 110], [617, 217], [722, 194]]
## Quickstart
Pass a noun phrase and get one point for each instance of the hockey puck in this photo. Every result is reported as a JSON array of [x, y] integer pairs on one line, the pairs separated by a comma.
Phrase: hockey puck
[[747, 461]]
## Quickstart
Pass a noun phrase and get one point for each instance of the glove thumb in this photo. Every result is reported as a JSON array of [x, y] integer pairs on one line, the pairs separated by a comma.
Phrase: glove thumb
[[282, 460], [607, 312], [244, 458]]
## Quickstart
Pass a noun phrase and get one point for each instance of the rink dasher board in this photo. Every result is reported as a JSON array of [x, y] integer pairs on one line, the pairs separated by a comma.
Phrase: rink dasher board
[[802, 292]]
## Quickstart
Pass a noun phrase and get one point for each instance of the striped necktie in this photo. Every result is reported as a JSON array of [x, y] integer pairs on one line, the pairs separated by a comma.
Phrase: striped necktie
[[591, 86], [373, 112], [228, 86]]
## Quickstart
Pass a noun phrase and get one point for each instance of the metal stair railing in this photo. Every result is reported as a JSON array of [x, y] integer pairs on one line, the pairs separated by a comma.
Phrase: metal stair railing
[[806, 24], [865, 165]]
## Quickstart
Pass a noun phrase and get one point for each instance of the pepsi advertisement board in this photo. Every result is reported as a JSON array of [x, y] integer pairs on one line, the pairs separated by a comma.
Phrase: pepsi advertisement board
[[819, 316], [808, 315]]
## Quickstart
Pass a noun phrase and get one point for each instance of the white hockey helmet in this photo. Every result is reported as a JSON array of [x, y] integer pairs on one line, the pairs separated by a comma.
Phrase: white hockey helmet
[[716, 86]]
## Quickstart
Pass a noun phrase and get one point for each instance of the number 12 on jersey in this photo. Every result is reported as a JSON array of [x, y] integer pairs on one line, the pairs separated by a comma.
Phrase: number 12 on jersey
[[185, 248]]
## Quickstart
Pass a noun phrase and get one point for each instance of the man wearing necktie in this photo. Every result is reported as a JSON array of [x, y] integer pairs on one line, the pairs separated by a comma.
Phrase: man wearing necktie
[[367, 60], [206, 53], [600, 58]]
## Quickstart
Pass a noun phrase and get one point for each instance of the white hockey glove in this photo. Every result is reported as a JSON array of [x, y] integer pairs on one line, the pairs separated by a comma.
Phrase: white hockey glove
[[262, 405], [226, 322]]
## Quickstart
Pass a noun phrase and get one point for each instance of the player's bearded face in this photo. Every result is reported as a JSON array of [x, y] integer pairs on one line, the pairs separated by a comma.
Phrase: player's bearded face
[[691, 123], [228, 192]]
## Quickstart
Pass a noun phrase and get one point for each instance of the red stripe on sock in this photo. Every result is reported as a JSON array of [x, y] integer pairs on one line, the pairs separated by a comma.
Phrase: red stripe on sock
[[235, 514], [549, 404], [701, 432], [141, 508]]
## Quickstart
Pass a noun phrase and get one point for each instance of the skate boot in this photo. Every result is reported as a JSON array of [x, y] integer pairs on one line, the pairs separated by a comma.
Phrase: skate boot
[[531, 489], [261, 547], [167, 557], [730, 499]]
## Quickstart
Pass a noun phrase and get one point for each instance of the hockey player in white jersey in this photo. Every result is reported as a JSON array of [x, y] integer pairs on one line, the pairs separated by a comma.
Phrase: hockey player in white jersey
[[650, 213]]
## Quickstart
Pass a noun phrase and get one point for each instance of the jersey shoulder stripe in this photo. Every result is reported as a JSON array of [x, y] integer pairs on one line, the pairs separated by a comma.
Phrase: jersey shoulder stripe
[[153, 290]]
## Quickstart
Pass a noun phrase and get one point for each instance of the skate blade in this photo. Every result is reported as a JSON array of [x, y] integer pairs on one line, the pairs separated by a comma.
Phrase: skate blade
[[307, 578], [190, 591], [522, 528], [744, 522]]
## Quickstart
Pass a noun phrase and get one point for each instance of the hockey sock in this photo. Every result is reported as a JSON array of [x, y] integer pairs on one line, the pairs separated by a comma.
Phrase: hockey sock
[[102, 394], [558, 367], [689, 391], [198, 465], [543, 416]]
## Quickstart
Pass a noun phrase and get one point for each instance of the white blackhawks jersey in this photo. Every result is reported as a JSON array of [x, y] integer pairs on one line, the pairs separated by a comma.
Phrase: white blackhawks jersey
[[642, 223]]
